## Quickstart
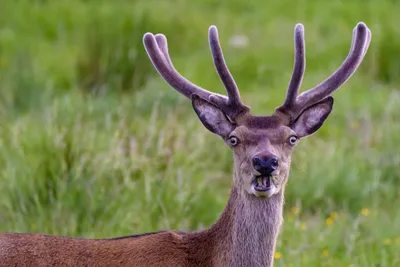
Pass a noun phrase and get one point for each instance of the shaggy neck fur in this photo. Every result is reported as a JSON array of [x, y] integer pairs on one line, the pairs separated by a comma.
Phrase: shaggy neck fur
[[246, 232]]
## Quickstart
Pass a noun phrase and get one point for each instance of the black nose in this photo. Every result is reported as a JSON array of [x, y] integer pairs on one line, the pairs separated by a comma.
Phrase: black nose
[[265, 166]]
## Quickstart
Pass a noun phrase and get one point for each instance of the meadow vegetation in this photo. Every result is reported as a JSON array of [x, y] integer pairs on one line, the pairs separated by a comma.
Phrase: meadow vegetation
[[93, 143]]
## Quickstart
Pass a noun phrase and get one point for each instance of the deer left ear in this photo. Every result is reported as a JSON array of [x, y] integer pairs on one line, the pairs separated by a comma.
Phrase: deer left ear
[[312, 118]]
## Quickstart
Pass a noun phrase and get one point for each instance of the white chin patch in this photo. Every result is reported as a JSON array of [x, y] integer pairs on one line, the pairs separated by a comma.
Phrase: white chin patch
[[264, 194]]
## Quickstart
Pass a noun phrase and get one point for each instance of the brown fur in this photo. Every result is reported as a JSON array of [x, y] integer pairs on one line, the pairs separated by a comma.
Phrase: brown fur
[[232, 241]]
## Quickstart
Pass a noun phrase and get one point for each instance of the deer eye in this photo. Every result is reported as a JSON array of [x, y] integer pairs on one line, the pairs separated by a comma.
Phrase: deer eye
[[293, 140], [233, 141]]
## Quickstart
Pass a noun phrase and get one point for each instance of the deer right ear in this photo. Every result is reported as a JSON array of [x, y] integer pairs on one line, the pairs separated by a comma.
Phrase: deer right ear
[[212, 117]]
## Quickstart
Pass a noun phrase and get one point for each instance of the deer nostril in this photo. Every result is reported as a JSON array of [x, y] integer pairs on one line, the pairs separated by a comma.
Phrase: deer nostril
[[257, 164], [274, 163]]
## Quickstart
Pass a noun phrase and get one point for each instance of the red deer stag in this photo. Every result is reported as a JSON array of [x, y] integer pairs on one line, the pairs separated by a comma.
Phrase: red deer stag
[[247, 230]]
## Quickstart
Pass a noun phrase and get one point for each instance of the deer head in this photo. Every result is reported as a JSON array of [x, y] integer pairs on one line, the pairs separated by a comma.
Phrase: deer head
[[262, 145]]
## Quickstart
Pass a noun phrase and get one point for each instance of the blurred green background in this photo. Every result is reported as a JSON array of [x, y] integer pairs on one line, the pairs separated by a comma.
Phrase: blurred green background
[[93, 143]]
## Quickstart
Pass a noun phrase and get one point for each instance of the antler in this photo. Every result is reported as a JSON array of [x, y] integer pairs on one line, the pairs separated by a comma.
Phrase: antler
[[294, 104], [157, 49]]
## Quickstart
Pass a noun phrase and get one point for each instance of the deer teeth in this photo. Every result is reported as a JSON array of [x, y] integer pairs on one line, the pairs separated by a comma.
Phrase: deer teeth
[[260, 181], [265, 181]]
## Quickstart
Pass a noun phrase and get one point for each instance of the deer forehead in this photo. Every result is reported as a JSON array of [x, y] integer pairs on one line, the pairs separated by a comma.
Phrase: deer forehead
[[263, 136]]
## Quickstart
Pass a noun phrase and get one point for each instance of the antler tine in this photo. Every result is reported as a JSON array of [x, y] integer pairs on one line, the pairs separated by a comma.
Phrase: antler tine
[[360, 43], [234, 105], [163, 45], [367, 42], [157, 49], [221, 67], [298, 69]]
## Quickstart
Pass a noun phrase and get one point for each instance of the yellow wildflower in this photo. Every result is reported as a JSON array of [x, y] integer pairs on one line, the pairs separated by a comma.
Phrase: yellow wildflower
[[329, 221], [277, 255], [365, 212], [325, 252], [295, 210]]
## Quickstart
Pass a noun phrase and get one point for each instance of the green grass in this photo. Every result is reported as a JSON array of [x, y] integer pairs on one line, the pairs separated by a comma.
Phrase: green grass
[[93, 143]]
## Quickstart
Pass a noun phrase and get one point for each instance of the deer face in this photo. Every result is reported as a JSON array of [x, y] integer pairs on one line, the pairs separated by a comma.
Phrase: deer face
[[262, 158], [262, 146]]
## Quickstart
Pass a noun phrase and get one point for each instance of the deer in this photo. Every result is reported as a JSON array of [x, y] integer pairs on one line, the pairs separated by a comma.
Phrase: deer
[[247, 230]]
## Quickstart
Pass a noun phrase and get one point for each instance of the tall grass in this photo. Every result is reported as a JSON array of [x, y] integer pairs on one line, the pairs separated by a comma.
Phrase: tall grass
[[94, 144]]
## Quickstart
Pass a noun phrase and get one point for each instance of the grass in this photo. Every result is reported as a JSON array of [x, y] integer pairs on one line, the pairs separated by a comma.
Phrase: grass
[[94, 144]]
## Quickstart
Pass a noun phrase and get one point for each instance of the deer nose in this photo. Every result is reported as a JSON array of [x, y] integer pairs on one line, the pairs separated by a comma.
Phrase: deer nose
[[265, 166]]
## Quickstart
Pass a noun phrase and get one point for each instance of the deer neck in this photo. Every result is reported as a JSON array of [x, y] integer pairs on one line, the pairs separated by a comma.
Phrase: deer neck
[[247, 230]]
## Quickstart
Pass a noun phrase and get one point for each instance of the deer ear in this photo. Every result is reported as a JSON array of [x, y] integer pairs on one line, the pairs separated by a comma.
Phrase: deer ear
[[212, 117], [312, 118]]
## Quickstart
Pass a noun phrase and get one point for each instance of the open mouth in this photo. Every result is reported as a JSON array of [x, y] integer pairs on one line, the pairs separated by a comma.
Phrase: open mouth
[[262, 183]]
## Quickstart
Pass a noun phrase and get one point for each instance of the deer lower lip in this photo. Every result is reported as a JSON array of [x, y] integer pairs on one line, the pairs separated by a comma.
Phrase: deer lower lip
[[262, 183]]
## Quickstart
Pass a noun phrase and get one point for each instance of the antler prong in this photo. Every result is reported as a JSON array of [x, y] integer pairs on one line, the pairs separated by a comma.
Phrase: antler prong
[[221, 67], [342, 74], [163, 45], [157, 49], [294, 104], [299, 67]]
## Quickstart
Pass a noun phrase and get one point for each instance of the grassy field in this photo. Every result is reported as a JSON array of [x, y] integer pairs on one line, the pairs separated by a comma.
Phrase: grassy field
[[93, 143]]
